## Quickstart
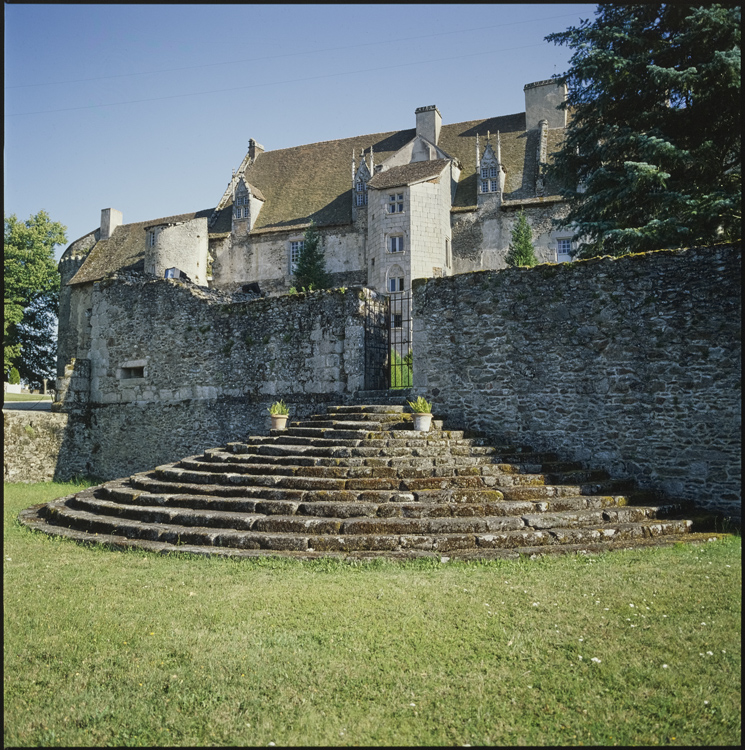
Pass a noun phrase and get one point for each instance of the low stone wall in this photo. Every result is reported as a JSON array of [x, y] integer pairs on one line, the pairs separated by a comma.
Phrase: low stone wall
[[42, 447], [631, 364], [173, 368]]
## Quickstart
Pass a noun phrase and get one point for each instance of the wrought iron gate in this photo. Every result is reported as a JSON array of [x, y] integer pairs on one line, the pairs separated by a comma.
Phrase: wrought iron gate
[[388, 342]]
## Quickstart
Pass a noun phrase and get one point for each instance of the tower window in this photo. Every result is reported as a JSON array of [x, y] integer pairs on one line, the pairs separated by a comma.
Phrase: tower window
[[361, 189], [396, 284], [395, 203], [396, 244]]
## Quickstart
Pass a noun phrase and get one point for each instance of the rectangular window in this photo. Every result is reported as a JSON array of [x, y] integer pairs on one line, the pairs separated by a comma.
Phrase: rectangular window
[[395, 284], [395, 203], [494, 186], [564, 248], [396, 244], [361, 199], [397, 320], [484, 171], [492, 171], [484, 186], [295, 250], [151, 239]]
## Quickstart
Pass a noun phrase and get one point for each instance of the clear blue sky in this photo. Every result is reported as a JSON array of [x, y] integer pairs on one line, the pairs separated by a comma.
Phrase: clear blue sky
[[148, 108]]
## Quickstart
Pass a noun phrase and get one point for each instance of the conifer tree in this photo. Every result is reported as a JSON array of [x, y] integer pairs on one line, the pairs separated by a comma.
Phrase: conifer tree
[[652, 154], [521, 252], [310, 272]]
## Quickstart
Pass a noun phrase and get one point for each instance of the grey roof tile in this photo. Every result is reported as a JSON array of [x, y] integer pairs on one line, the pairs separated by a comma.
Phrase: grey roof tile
[[125, 249], [408, 173]]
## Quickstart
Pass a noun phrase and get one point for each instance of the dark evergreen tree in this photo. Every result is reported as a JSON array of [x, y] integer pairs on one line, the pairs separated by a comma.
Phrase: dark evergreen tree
[[652, 155], [521, 252], [310, 272]]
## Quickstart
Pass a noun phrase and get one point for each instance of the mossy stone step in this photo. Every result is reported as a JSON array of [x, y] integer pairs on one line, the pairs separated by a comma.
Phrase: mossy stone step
[[358, 481], [358, 534]]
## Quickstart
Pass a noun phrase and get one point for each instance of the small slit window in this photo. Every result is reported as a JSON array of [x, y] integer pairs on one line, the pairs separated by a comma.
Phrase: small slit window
[[128, 373]]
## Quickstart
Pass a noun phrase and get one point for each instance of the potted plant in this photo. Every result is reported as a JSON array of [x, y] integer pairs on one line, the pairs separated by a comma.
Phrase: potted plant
[[422, 413], [279, 413]]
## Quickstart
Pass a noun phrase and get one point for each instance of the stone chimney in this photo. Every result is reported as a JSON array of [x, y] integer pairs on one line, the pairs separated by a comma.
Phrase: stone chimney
[[541, 100], [254, 149], [110, 220], [428, 122]]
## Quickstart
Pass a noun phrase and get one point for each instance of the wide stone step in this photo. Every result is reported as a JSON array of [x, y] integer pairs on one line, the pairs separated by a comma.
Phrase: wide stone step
[[361, 534], [367, 409], [146, 507], [223, 463], [610, 487], [220, 456], [515, 486], [358, 419], [366, 449]]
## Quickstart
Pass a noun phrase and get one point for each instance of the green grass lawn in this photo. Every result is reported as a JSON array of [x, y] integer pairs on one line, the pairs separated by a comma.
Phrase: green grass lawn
[[128, 648], [26, 397]]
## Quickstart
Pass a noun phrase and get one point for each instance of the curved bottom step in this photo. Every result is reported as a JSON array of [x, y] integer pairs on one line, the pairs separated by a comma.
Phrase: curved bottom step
[[33, 518]]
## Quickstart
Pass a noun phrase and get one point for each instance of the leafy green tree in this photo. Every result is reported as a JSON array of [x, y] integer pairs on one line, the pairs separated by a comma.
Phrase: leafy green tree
[[31, 295], [653, 144], [310, 272], [521, 252]]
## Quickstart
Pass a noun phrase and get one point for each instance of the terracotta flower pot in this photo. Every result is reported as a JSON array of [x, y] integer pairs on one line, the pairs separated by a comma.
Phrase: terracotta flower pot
[[279, 421], [422, 421]]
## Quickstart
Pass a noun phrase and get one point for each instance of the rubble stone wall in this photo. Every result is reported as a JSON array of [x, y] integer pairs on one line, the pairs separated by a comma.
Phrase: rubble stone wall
[[174, 368], [632, 364], [43, 447]]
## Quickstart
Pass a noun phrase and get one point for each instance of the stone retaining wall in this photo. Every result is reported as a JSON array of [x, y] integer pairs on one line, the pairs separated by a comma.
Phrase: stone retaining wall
[[631, 364], [174, 368], [41, 447]]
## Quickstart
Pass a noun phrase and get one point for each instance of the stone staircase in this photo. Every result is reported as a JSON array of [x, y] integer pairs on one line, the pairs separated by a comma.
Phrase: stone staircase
[[360, 482]]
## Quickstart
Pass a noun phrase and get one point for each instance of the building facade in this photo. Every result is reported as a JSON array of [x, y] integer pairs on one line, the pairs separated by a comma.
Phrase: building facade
[[435, 200]]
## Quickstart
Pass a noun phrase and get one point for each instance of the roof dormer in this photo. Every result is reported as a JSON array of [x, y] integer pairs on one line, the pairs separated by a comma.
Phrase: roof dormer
[[247, 202], [491, 174]]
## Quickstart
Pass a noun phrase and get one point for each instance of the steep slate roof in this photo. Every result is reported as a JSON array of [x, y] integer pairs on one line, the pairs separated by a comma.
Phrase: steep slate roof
[[125, 249], [408, 173], [314, 183]]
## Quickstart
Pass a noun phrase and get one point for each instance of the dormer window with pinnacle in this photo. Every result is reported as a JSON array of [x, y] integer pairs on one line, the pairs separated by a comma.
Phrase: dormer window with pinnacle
[[241, 205], [361, 193], [491, 173], [361, 178]]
